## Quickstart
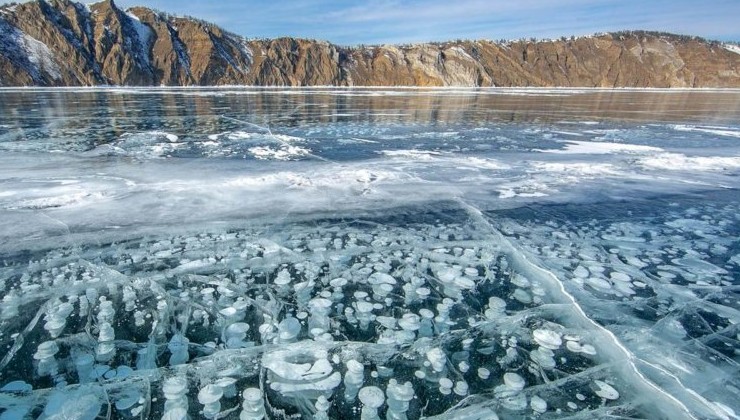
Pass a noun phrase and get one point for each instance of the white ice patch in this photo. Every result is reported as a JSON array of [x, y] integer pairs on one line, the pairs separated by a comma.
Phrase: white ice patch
[[172, 138], [524, 190], [281, 178], [445, 158], [286, 152], [546, 178], [233, 135], [332, 179], [148, 144], [248, 135], [720, 131], [577, 168], [567, 133], [483, 163], [56, 201], [48, 193], [425, 155], [355, 140], [681, 162], [600, 148], [286, 138]]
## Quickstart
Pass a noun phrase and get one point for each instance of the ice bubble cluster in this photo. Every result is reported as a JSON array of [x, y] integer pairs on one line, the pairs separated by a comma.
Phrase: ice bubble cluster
[[656, 267], [334, 253], [301, 369], [399, 396], [548, 339], [56, 318], [327, 320]]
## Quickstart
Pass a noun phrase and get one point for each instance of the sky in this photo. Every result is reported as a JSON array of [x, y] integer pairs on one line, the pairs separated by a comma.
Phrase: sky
[[352, 22]]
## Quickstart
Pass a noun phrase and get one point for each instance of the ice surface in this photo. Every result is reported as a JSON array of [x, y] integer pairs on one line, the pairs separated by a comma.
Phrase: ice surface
[[680, 162], [659, 288], [720, 131], [591, 147], [396, 254]]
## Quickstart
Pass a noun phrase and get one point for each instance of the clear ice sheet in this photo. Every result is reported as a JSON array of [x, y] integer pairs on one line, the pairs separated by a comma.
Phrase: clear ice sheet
[[365, 253], [662, 275]]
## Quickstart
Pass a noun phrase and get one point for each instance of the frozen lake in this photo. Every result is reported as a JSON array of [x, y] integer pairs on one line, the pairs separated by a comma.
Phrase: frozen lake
[[328, 253]]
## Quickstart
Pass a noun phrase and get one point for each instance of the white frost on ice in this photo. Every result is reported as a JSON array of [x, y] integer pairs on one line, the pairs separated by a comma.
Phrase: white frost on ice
[[445, 159], [234, 135], [147, 145], [484, 163], [331, 178], [681, 162], [425, 155], [600, 148], [237, 136], [279, 153], [577, 168], [525, 189], [720, 131]]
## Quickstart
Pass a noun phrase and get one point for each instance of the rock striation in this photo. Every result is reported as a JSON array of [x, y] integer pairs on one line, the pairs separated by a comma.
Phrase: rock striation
[[64, 43]]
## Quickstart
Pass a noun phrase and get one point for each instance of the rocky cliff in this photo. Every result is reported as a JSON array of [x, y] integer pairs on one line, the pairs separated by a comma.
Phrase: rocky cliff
[[63, 43]]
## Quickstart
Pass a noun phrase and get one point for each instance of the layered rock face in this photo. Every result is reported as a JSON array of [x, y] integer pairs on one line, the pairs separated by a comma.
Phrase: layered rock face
[[63, 43]]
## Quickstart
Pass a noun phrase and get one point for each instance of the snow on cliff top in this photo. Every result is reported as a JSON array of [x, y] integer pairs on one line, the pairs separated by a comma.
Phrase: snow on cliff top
[[732, 47]]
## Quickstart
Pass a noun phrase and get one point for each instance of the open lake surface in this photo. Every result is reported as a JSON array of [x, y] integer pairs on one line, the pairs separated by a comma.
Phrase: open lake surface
[[337, 253]]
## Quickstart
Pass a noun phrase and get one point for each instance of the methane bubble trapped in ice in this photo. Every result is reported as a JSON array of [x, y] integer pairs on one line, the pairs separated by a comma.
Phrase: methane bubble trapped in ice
[[244, 253]]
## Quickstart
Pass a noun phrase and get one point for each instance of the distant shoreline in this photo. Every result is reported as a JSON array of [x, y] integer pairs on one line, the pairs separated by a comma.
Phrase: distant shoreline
[[562, 89]]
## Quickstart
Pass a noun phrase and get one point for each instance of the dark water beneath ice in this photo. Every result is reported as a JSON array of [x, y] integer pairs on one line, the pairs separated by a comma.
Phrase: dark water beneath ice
[[471, 253]]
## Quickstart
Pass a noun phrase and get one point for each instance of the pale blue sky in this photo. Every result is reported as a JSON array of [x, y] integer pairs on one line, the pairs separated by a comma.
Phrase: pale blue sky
[[395, 21]]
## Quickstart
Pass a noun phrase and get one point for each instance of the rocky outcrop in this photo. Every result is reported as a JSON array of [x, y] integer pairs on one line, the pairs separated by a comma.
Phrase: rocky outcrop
[[63, 43]]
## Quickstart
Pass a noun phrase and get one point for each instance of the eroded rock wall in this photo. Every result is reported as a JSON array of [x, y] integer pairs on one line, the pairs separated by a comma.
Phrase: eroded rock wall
[[63, 43]]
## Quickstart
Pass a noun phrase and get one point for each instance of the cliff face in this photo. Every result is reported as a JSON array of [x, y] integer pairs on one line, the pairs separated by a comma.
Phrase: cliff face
[[63, 43]]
